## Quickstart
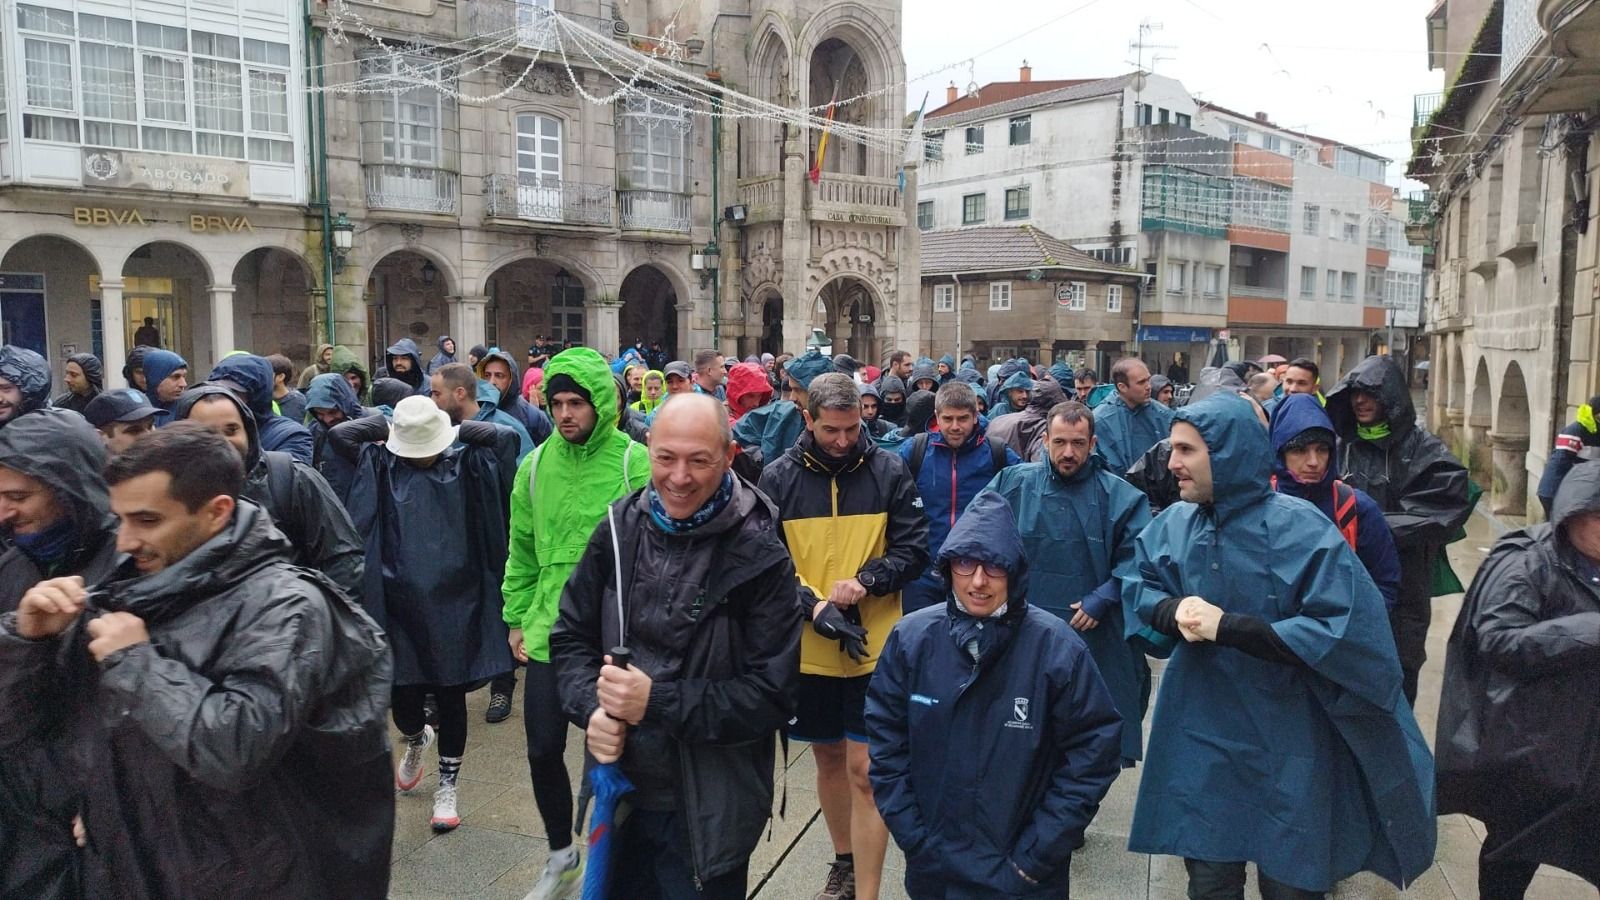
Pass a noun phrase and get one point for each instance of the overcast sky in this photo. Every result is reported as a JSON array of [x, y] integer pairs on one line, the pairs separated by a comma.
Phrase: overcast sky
[[1345, 71]]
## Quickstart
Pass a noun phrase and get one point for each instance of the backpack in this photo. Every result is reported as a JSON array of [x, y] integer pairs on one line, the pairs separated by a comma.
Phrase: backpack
[[280, 481], [919, 449], [1344, 511]]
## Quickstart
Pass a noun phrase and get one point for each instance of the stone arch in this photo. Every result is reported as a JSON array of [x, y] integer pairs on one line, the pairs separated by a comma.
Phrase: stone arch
[[170, 283], [593, 284], [649, 313], [404, 301], [763, 316], [532, 294], [449, 271], [1509, 442], [850, 309], [862, 31], [771, 79], [272, 303]]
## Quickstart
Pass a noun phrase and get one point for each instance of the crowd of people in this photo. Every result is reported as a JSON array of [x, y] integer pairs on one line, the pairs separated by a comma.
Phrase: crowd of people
[[219, 594]]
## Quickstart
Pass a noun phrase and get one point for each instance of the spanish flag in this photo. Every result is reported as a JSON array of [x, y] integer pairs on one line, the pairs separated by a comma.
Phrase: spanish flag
[[822, 143]]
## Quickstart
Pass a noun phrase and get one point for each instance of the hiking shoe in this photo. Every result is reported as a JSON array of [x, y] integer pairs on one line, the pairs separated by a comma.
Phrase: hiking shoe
[[444, 808], [841, 884], [408, 774], [499, 708], [561, 876]]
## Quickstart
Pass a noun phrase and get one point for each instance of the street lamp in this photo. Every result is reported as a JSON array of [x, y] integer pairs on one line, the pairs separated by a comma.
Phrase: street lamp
[[710, 261], [429, 272], [344, 236]]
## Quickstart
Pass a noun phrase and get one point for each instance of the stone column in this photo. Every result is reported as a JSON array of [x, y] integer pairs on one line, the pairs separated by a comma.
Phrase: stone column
[[797, 303], [465, 315], [1478, 450], [1510, 462], [604, 325], [222, 323], [113, 332]]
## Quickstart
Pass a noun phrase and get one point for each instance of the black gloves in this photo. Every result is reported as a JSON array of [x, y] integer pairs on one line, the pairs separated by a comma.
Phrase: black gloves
[[852, 638]]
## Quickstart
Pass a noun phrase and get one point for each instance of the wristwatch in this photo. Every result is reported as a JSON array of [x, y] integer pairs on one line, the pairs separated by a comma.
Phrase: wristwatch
[[866, 579]]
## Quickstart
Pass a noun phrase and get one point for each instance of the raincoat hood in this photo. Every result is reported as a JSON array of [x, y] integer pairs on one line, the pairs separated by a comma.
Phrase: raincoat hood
[[590, 370], [187, 400], [317, 360], [159, 364], [1579, 493], [443, 357], [1045, 395], [30, 373], [746, 379], [805, 369], [1381, 377], [71, 470], [1158, 383], [330, 391], [970, 376], [90, 364], [1215, 381], [253, 374], [924, 370], [891, 384], [919, 412], [345, 361], [645, 404], [134, 361], [987, 532], [948, 360], [1241, 457], [389, 391], [1296, 414], [405, 347], [1061, 372], [507, 401], [1018, 379]]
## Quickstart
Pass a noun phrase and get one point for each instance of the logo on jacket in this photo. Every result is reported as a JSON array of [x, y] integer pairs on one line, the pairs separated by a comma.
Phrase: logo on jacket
[[1019, 714]]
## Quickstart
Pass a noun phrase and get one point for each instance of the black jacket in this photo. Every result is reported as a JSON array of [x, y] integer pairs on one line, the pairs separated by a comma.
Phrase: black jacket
[[243, 751], [306, 510], [1149, 473], [712, 616], [1420, 486], [1519, 717], [37, 801]]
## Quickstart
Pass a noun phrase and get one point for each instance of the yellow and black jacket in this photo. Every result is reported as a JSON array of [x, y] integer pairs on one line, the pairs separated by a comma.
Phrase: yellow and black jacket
[[858, 517]]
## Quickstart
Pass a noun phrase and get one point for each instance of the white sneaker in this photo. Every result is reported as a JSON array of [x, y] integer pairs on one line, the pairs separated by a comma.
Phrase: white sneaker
[[561, 876], [444, 808], [408, 774]]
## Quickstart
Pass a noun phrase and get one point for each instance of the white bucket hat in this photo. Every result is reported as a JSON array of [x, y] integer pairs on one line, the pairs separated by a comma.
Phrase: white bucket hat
[[420, 429]]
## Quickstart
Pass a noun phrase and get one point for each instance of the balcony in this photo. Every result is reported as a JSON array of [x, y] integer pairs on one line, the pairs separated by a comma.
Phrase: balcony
[[855, 198], [1423, 106], [1256, 291], [528, 197], [534, 23], [762, 198], [411, 189], [1519, 35], [654, 211]]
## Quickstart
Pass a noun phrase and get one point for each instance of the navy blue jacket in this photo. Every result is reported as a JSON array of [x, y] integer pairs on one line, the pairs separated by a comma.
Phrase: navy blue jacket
[[949, 479], [1374, 541], [253, 374], [1577, 442], [982, 769]]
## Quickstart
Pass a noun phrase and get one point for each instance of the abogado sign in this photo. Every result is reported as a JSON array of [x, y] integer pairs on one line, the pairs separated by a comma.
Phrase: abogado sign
[[162, 172]]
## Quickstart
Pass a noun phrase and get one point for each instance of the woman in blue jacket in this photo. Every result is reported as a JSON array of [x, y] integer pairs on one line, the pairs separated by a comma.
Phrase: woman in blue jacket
[[993, 739]]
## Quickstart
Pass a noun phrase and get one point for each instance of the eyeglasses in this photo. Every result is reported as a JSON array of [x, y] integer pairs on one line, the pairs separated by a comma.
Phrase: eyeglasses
[[964, 566]]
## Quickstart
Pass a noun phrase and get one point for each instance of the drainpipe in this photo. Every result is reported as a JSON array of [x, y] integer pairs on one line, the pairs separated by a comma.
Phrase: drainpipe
[[716, 220], [957, 279], [319, 174]]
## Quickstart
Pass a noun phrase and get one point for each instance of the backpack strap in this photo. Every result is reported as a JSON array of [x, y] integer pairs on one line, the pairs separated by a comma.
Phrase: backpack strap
[[919, 449], [533, 470], [1344, 512], [280, 483]]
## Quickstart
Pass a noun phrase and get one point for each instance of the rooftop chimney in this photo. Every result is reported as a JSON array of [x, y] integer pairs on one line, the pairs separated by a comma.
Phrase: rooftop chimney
[[1027, 72], [1261, 117], [951, 94]]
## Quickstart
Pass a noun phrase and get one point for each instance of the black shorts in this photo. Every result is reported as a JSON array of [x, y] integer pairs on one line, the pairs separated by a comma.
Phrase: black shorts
[[829, 709]]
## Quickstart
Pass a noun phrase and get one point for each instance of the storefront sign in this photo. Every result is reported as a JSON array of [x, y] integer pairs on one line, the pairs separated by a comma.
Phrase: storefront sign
[[163, 172], [860, 218], [105, 217], [1173, 334], [222, 224]]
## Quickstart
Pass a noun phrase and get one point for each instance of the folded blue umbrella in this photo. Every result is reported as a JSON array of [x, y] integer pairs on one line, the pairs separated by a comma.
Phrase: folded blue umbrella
[[609, 786]]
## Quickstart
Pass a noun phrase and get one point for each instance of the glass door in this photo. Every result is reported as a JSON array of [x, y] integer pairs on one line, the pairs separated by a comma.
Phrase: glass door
[[150, 314], [539, 168]]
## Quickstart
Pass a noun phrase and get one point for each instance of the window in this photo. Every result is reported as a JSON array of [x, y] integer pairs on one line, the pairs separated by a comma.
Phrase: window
[[1114, 298], [1271, 142], [1000, 296], [1313, 220], [1182, 120], [1117, 256], [653, 152], [1238, 134], [1144, 114], [1076, 293], [1347, 285], [1213, 283], [1335, 223], [1308, 281], [1374, 283], [925, 215], [974, 139], [1017, 203], [933, 146], [1021, 130], [1175, 276], [972, 209], [944, 298], [1257, 204], [1164, 116], [1333, 283], [409, 135], [1352, 228]]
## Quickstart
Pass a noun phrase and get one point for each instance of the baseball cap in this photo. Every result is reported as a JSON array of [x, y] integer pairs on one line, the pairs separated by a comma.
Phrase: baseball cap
[[120, 405], [679, 368]]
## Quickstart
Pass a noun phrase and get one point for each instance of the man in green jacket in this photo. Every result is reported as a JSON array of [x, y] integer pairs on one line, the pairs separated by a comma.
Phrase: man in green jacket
[[561, 493]]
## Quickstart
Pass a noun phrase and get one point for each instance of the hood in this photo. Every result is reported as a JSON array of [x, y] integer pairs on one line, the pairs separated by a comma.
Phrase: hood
[[1018, 379], [1061, 372], [1044, 396], [924, 370], [987, 532], [591, 371], [1382, 377], [72, 467], [159, 364], [31, 374], [187, 400], [805, 369], [949, 360], [134, 361], [253, 374], [405, 347], [1215, 381], [891, 384], [90, 364], [1158, 383], [866, 388], [389, 391], [509, 396], [1579, 493], [317, 359], [345, 360], [970, 376], [331, 391], [1241, 455], [919, 412], [1295, 414], [747, 379], [440, 344]]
